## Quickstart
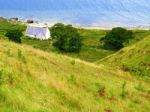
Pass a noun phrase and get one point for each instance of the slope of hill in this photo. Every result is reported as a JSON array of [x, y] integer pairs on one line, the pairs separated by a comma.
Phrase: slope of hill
[[89, 52], [35, 81], [135, 58]]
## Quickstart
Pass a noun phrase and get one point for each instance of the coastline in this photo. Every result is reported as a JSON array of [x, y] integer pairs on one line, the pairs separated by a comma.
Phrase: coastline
[[95, 26]]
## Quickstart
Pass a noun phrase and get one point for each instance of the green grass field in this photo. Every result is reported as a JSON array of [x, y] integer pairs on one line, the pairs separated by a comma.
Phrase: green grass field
[[36, 77], [90, 52], [134, 58], [35, 81]]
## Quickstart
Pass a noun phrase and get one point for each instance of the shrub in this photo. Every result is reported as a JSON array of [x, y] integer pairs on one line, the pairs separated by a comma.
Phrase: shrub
[[14, 35], [1, 77], [72, 79], [73, 62], [97, 86], [138, 70], [30, 21], [21, 56], [123, 90], [8, 52], [140, 87], [66, 38], [116, 38], [2, 95], [6, 77], [102, 91]]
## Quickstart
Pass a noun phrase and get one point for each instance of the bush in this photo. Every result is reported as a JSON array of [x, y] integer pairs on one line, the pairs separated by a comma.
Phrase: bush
[[140, 87], [138, 70], [6, 77], [1, 77], [66, 38], [116, 38], [14, 35], [21, 57], [123, 90]]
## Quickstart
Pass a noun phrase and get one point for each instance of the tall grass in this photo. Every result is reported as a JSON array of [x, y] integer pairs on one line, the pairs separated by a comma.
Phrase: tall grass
[[52, 82]]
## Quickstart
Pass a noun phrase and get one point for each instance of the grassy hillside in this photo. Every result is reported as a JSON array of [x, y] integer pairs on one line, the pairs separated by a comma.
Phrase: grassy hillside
[[135, 58], [5, 25], [34, 81], [139, 35], [90, 51]]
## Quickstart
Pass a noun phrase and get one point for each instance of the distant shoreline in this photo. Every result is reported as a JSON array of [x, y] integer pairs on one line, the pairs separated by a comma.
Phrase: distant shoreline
[[96, 27]]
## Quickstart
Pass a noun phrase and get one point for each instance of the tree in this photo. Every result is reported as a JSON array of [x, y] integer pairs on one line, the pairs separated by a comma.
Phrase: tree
[[116, 38], [66, 38], [14, 35]]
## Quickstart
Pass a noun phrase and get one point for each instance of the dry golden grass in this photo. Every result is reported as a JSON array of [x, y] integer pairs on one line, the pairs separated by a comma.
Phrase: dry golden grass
[[35, 81]]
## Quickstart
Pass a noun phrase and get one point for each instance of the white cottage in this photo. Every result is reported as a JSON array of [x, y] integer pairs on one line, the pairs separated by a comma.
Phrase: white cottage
[[37, 31]]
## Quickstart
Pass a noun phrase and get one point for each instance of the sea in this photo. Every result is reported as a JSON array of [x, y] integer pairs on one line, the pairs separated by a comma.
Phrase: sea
[[88, 13]]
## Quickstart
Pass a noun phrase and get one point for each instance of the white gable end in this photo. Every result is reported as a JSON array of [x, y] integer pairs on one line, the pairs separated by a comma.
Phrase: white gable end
[[38, 32]]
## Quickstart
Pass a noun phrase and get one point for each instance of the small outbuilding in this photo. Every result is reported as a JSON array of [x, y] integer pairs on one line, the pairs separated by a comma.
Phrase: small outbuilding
[[38, 32]]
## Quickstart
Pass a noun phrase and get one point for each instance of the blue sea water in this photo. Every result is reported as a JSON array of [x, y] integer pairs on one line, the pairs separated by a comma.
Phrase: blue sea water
[[82, 12]]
